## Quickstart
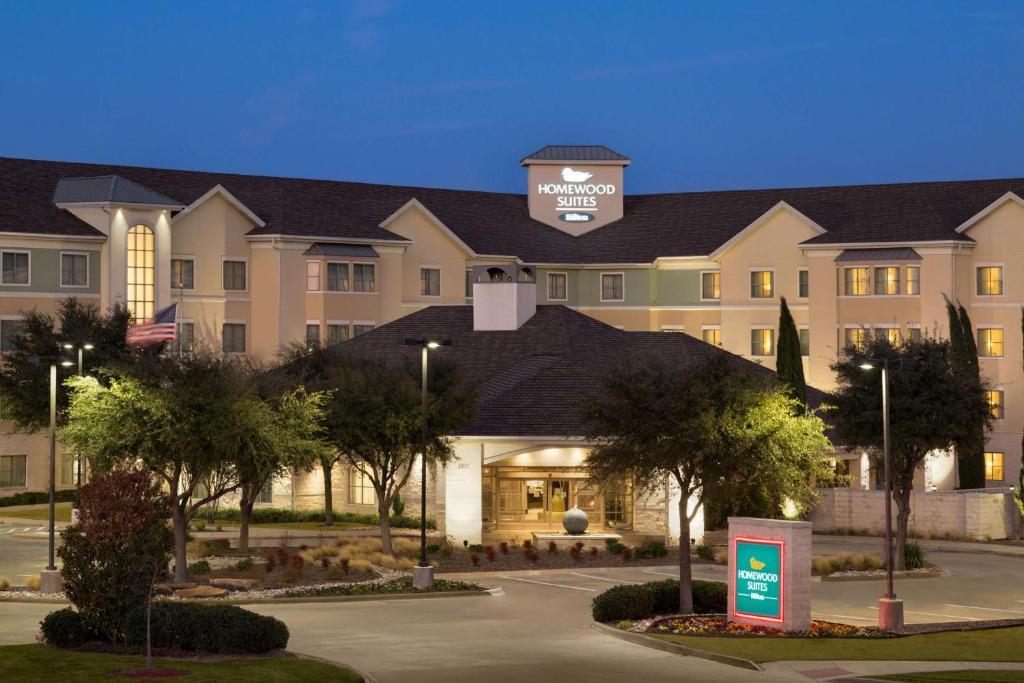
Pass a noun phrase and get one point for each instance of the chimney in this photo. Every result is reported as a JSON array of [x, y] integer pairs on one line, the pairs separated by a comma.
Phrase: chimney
[[504, 296]]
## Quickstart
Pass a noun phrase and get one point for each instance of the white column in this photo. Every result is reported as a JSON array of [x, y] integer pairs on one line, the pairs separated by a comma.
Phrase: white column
[[463, 488]]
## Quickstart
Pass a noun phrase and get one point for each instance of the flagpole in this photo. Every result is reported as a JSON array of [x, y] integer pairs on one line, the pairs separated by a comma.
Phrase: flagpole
[[177, 313]]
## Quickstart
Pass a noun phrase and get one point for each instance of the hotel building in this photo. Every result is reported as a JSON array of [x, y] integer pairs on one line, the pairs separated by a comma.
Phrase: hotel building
[[260, 262]]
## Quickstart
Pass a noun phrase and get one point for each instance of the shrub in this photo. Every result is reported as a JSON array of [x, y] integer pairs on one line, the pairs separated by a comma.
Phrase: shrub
[[65, 628], [593, 551], [657, 597], [214, 629], [36, 498], [627, 554], [614, 547], [475, 559], [344, 564], [244, 565], [504, 547], [279, 515], [5, 583], [111, 556], [531, 554], [552, 547], [199, 568], [325, 562], [489, 552], [475, 547], [705, 552], [914, 556], [398, 506], [652, 548], [33, 583]]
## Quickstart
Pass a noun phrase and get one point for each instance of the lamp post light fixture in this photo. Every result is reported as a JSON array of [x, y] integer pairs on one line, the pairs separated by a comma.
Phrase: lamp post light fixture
[[890, 608], [423, 574], [81, 349]]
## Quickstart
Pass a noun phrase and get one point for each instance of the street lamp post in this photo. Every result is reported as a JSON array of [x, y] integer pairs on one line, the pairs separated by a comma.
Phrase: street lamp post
[[82, 348], [423, 573]]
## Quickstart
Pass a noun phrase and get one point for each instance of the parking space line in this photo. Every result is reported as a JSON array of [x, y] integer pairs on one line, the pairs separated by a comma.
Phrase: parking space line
[[932, 614], [841, 616], [602, 578], [655, 571], [556, 585], [987, 609]]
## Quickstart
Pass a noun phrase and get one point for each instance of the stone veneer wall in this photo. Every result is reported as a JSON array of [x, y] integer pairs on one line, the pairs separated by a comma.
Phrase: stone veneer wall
[[989, 514]]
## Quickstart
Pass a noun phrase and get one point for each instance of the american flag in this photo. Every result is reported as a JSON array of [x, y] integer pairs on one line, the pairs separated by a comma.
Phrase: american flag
[[160, 328]]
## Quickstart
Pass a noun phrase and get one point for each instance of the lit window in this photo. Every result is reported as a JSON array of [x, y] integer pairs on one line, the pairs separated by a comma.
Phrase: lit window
[[12, 471], [994, 466], [9, 329], [14, 268], [74, 270], [337, 277], [713, 336], [805, 341], [430, 282], [337, 333], [233, 338], [363, 277], [887, 280], [990, 342], [990, 281], [711, 286], [312, 276], [996, 404], [856, 281], [803, 283], [611, 287], [891, 334], [182, 273], [855, 337], [313, 334], [762, 342], [913, 280], [762, 284], [360, 488], [361, 329], [141, 294], [557, 289], [234, 276], [185, 341]]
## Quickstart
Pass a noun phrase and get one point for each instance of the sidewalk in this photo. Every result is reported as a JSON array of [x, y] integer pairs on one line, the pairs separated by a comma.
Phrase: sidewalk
[[841, 670]]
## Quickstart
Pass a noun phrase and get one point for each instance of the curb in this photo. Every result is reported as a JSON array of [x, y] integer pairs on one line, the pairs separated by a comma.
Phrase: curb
[[931, 574], [367, 678], [491, 592], [674, 648]]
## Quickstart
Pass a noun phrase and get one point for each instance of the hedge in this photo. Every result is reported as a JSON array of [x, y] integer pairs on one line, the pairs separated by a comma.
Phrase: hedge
[[37, 497], [657, 597], [179, 626], [282, 515]]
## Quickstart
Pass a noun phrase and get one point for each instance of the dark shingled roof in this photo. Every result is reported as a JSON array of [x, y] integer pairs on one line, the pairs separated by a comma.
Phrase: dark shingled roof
[[497, 224], [899, 254], [575, 153], [110, 188], [530, 380], [335, 249]]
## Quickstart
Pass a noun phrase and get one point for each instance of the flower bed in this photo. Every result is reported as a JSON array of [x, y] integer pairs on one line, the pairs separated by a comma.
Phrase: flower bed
[[717, 625], [393, 586]]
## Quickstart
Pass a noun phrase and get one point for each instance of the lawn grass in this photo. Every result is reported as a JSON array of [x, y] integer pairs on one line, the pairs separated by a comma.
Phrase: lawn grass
[[974, 675], [990, 645], [39, 512], [38, 662]]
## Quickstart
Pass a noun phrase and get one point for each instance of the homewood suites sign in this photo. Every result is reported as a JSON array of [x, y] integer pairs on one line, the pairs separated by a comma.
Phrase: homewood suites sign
[[575, 197]]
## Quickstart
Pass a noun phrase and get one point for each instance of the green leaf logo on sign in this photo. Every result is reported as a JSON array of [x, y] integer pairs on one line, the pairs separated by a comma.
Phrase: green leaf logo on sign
[[758, 579]]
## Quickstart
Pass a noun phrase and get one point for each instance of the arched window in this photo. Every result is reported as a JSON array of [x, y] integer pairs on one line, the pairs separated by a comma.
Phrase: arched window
[[141, 292]]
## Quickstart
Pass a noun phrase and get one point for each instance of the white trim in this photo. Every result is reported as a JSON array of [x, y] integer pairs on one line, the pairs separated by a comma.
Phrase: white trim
[[46, 295], [803, 269], [243, 259], [989, 326], [234, 321], [1002, 279], [839, 246], [415, 203], [970, 222], [319, 275], [673, 328], [60, 267], [775, 340], [600, 284], [338, 322], [701, 285], [215, 298], [27, 252], [868, 288], [422, 268], [331, 239], [44, 236], [761, 220], [547, 282], [312, 322], [230, 198]]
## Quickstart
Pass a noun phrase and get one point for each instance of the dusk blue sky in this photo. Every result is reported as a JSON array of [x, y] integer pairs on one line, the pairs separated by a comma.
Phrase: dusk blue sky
[[708, 95]]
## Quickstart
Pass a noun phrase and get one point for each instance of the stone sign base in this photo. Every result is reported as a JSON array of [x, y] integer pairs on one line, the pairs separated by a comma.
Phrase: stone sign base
[[565, 541], [770, 573]]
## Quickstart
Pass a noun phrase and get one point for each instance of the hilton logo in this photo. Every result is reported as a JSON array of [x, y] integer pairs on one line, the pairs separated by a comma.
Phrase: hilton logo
[[576, 217]]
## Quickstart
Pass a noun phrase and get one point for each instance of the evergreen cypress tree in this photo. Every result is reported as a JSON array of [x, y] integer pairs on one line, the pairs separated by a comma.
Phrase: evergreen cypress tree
[[970, 451], [789, 362]]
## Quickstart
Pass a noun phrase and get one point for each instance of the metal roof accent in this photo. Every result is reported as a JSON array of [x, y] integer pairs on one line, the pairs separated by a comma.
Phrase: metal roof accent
[[898, 254], [575, 153], [112, 189], [332, 249]]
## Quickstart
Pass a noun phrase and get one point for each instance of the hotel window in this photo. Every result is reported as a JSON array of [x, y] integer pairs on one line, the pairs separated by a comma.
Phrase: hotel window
[[74, 270], [233, 338], [887, 280], [762, 284], [361, 329], [337, 277], [12, 471], [990, 281], [913, 280], [892, 334], [856, 281], [994, 466], [312, 276], [266, 492], [996, 403], [990, 342], [9, 329], [430, 282], [713, 335], [362, 277], [762, 341], [14, 268], [337, 333], [711, 286], [141, 253], [557, 286], [360, 488], [186, 337], [312, 334], [805, 341], [618, 502], [183, 273], [612, 286], [803, 283], [854, 337], [914, 333], [234, 276]]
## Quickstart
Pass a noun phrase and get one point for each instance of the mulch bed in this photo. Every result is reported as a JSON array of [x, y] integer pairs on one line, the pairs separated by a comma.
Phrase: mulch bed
[[312, 575], [718, 626], [461, 560]]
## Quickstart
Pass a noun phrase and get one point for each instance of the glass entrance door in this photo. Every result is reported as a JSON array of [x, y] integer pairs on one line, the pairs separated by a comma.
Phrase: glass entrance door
[[559, 501]]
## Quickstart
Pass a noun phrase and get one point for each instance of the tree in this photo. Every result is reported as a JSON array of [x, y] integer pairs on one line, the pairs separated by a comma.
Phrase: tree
[[789, 362], [970, 449], [931, 407], [1019, 494], [700, 426], [187, 420], [24, 385], [119, 545]]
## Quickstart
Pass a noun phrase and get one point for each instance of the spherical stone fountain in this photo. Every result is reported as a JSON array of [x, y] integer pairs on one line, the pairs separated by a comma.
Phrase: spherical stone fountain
[[575, 521]]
